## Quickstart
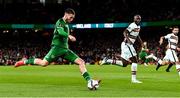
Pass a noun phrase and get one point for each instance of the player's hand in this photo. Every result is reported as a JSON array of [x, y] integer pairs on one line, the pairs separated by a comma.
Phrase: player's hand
[[178, 49], [167, 47], [72, 38], [160, 42]]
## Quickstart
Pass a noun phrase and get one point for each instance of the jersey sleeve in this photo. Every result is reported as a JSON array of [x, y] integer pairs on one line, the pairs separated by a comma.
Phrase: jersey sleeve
[[60, 29], [167, 36], [131, 27]]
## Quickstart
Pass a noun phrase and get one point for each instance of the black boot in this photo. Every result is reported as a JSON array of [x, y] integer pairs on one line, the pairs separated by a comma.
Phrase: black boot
[[170, 65], [158, 66]]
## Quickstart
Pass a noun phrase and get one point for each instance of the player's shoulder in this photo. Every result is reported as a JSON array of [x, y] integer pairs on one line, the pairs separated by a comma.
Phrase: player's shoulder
[[170, 34], [60, 22], [133, 24]]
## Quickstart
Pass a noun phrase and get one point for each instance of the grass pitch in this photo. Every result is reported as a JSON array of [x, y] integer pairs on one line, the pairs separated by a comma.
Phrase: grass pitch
[[66, 81]]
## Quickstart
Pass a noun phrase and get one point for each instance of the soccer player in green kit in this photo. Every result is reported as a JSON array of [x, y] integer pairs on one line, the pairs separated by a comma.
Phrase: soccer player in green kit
[[143, 55], [59, 48]]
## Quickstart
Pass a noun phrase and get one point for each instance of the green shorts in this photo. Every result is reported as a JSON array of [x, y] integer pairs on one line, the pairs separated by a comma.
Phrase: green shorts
[[57, 52], [142, 55]]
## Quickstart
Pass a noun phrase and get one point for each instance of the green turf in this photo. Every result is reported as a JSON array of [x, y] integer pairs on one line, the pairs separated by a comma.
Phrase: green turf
[[64, 80]]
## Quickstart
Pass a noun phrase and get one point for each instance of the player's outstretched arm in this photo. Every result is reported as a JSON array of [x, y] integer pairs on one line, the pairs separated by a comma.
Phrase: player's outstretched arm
[[161, 40], [126, 33]]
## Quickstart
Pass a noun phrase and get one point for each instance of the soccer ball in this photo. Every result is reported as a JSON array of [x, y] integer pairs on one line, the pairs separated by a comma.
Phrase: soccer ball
[[93, 84]]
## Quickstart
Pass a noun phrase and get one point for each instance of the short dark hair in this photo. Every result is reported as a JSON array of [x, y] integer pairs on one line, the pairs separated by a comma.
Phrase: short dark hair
[[137, 15], [70, 11], [175, 27]]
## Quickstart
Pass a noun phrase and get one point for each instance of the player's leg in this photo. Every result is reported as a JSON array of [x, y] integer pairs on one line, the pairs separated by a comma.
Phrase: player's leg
[[168, 57], [51, 56], [124, 59], [134, 70], [151, 56], [174, 58], [142, 57], [71, 56], [159, 61], [129, 52], [178, 67], [32, 61], [120, 62], [146, 62], [104, 61], [111, 61], [169, 66]]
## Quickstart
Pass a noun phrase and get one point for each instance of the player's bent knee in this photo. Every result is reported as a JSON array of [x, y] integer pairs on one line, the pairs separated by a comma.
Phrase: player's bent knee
[[44, 63], [134, 59], [125, 62], [79, 61]]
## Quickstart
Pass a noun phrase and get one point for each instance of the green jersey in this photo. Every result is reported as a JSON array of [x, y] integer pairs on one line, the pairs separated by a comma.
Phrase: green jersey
[[142, 53], [61, 32]]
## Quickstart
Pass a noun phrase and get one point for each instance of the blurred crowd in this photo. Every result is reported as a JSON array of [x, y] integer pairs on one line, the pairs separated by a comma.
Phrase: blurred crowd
[[91, 45], [88, 11]]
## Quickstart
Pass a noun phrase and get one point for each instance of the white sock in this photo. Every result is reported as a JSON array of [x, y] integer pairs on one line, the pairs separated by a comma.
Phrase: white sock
[[109, 61], [118, 62], [160, 61], [149, 56], [155, 58], [133, 70], [178, 68]]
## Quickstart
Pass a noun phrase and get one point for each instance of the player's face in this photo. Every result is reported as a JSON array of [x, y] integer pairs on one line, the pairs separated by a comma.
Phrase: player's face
[[69, 18], [145, 43], [175, 31], [137, 19]]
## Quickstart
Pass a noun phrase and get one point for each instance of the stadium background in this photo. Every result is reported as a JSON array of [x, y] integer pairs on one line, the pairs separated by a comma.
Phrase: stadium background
[[92, 44]]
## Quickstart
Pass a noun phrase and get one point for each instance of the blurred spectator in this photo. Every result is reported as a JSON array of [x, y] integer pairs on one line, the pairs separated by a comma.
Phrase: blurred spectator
[[90, 11]]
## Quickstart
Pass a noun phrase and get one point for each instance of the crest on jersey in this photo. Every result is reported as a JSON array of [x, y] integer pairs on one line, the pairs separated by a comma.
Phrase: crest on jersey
[[136, 29], [52, 56]]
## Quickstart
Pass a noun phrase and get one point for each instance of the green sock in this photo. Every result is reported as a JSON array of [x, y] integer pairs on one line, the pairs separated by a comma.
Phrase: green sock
[[30, 61], [86, 76]]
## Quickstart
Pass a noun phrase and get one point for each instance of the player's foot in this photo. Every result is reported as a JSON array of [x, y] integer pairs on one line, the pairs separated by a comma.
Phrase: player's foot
[[136, 81], [145, 64], [167, 70], [103, 61], [19, 63], [158, 66]]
